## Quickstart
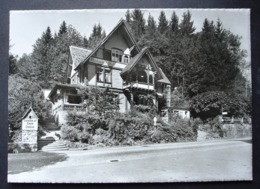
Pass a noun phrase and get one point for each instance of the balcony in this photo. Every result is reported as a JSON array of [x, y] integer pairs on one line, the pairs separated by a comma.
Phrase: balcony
[[139, 86], [69, 107]]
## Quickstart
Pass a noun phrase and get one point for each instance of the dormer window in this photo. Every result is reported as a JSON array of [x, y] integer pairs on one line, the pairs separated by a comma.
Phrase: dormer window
[[116, 55]]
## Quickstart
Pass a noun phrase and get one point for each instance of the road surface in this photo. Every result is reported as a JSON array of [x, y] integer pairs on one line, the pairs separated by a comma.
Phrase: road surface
[[191, 161]]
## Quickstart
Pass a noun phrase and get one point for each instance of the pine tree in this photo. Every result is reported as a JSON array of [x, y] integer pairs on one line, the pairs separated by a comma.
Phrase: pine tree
[[174, 23], [12, 64], [186, 25], [58, 53], [47, 36], [128, 16], [96, 36], [163, 23], [151, 24], [63, 28], [138, 23], [85, 41], [42, 67]]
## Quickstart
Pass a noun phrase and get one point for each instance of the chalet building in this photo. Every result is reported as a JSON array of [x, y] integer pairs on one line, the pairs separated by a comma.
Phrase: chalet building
[[116, 63]]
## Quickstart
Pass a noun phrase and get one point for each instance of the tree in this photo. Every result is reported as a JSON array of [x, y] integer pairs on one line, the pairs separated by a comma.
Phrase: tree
[[218, 59], [22, 94], [96, 36], [63, 28], [151, 25], [138, 23], [12, 64], [85, 42], [174, 23], [186, 25], [58, 53], [99, 100], [211, 104], [40, 58], [163, 23], [128, 16]]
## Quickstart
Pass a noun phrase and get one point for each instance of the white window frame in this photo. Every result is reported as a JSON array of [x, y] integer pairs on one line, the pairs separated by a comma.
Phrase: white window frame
[[116, 55]]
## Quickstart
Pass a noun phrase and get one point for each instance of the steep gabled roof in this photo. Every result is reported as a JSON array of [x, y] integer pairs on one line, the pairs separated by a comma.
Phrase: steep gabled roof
[[136, 59], [61, 85], [78, 54], [121, 22], [164, 79], [27, 112]]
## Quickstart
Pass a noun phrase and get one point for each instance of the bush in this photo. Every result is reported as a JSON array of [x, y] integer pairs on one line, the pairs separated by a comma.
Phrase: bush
[[127, 129], [69, 133], [84, 137], [20, 148], [14, 148]]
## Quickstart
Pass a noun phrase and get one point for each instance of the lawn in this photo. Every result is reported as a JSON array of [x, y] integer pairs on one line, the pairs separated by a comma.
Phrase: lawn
[[24, 162]]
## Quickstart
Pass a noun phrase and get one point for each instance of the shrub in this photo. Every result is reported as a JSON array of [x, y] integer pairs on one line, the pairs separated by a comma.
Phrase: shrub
[[84, 137], [69, 133], [127, 129], [13, 148], [20, 148]]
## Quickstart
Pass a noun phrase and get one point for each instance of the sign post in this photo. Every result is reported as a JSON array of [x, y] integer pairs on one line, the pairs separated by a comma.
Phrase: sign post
[[30, 129]]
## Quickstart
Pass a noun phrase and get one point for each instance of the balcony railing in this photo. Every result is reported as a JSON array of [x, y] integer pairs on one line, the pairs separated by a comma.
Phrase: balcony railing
[[69, 107], [139, 85]]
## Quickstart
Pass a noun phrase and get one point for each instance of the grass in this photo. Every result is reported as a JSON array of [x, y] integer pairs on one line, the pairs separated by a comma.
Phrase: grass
[[24, 162]]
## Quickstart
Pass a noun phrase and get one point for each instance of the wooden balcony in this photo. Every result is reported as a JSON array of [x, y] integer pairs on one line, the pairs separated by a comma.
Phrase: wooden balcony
[[69, 107], [139, 86]]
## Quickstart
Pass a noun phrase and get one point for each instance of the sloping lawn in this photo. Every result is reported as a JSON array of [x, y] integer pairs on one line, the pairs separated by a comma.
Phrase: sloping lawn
[[23, 162]]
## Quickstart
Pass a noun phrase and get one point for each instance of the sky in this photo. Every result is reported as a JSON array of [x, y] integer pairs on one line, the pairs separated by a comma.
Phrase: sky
[[27, 26]]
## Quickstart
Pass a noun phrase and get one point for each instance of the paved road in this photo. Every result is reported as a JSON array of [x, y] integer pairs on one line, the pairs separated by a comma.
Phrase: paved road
[[192, 161]]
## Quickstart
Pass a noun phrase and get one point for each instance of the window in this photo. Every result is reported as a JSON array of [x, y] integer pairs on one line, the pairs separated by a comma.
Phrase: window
[[100, 75], [107, 76], [126, 59], [107, 54], [142, 77], [103, 75], [73, 99], [116, 55]]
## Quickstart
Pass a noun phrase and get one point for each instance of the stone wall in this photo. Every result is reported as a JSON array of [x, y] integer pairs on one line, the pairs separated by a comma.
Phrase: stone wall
[[29, 136], [237, 130]]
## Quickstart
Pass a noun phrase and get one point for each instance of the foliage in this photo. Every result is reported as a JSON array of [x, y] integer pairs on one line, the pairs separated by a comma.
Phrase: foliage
[[48, 61], [19, 148], [96, 36], [69, 133], [210, 104], [99, 100], [12, 64], [178, 100], [126, 129], [22, 94], [137, 23], [177, 130], [163, 23]]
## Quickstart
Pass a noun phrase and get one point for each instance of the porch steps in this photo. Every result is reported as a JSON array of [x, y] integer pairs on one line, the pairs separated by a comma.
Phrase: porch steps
[[55, 146]]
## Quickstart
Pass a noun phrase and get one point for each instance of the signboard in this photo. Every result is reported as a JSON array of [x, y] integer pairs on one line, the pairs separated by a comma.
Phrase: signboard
[[30, 124]]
